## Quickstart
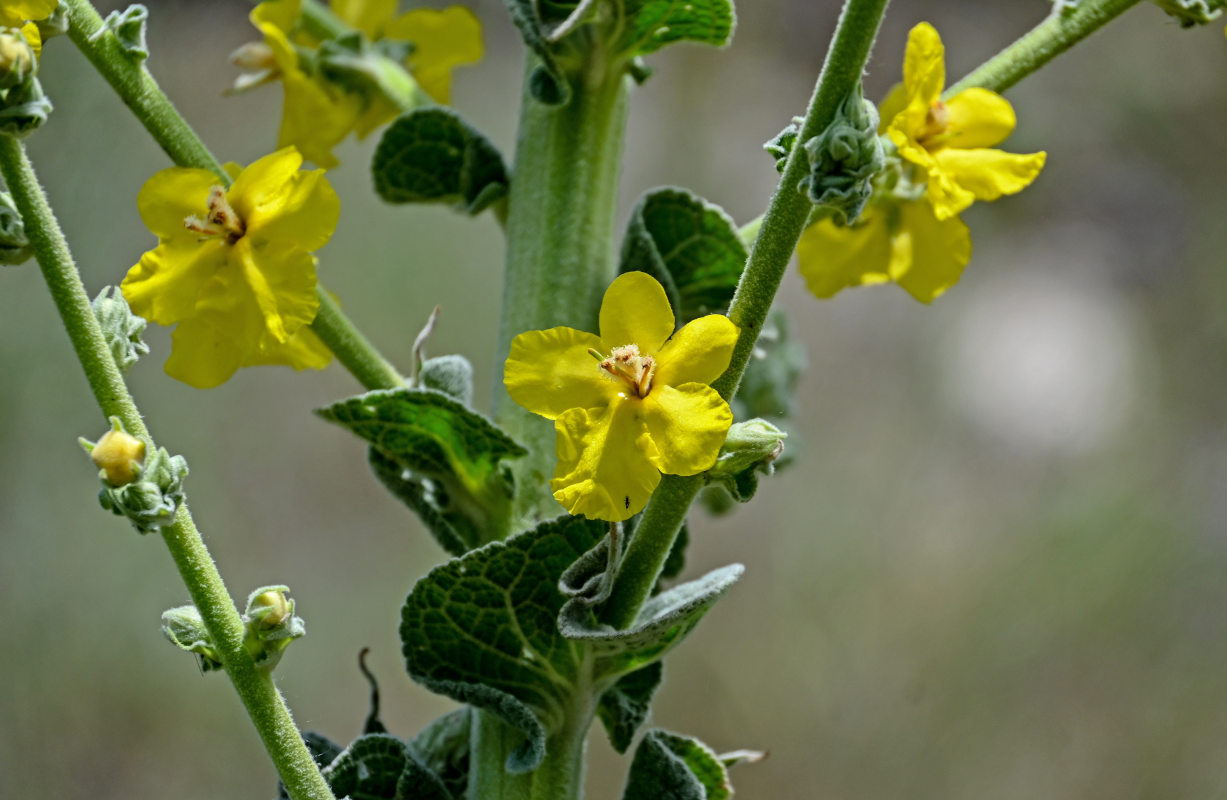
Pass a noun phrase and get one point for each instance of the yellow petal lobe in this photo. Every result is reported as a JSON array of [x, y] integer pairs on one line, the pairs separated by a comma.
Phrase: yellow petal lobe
[[171, 196], [688, 424], [924, 66], [699, 352], [165, 284], [833, 257], [604, 468], [928, 254], [978, 118], [988, 174], [636, 311], [368, 16], [443, 40], [549, 372]]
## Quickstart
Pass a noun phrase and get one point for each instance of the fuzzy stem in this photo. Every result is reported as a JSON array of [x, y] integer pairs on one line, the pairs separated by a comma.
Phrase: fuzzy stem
[[264, 703], [137, 88], [353, 349], [560, 230], [777, 238], [1064, 27]]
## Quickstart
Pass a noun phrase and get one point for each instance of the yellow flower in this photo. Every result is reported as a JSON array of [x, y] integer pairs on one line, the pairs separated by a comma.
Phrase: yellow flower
[[952, 140], [233, 268], [902, 242], [629, 404], [318, 114], [14, 12], [443, 39]]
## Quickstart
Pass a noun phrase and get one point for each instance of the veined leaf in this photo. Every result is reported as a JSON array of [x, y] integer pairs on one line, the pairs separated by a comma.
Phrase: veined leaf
[[624, 707], [691, 246], [652, 24], [379, 766], [431, 155], [667, 765]]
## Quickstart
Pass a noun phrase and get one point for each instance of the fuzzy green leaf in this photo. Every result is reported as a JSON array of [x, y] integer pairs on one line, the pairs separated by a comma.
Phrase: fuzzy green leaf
[[666, 619], [431, 155], [443, 747], [547, 82], [652, 24], [667, 765], [440, 458], [482, 629], [379, 766], [691, 246], [625, 705]]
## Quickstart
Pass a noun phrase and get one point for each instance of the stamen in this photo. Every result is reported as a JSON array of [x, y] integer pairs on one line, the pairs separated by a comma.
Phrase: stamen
[[221, 221], [936, 121], [626, 364]]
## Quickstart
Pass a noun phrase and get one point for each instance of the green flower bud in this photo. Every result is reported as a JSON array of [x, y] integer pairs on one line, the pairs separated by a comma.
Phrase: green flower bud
[[121, 327], [781, 145], [749, 449], [128, 26], [452, 375], [14, 246], [23, 108], [17, 60], [271, 625], [184, 628], [845, 158], [117, 454], [1192, 12]]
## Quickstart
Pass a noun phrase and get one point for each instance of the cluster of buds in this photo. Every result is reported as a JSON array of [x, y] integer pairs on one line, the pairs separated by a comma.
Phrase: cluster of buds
[[145, 488], [269, 622]]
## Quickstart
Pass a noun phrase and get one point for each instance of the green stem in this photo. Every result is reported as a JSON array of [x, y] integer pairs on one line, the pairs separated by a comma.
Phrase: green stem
[[491, 742], [132, 82], [263, 702], [353, 349], [561, 774], [560, 233], [137, 88], [777, 238], [1063, 28]]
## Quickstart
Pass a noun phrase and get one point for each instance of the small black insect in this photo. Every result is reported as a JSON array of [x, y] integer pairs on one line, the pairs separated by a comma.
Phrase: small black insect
[[628, 502]]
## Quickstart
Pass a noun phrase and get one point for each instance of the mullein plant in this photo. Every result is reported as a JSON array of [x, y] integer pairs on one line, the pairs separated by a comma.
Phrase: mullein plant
[[658, 361]]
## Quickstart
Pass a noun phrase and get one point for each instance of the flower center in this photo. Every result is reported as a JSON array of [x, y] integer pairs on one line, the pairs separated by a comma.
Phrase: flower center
[[936, 122], [222, 222], [626, 364]]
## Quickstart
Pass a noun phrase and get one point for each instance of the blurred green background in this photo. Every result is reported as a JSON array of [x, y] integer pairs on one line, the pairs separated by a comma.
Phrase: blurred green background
[[995, 568]]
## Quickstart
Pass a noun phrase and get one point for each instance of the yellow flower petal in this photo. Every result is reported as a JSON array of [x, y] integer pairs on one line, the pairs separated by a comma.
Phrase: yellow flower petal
[[977, 118], [894, 102], [316, 117], [304, 212], [172, 195], [261, 188], [14, 12], [636, 311], [700, 352], [280, 14], [688, 424], [282, 280], [927, 254], [33, 37], [833, 257], [604, 469], [165, 285], [368, 16], [202, 354], [550, 372], [988, 174], [924, 67], [304, 350], [442, 40], [379, 111]]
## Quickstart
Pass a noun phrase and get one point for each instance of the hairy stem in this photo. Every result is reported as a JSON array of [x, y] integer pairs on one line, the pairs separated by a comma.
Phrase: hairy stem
[[777, 238], [255, 688], [560, 237], [136, 87], [1064, 27]]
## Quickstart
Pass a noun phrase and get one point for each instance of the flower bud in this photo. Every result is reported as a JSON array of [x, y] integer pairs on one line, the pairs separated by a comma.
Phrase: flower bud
[[1192, 12], [184, 628], [271, 625], [120, 326], [845, 158], [118, 455], [17, 59], [269, 609], [14, 246]]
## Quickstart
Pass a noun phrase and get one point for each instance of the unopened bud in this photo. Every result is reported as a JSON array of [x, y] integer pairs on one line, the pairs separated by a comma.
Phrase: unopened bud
[[271, 625], [117, 454], [270, 609], [17, 59], [184, 628]]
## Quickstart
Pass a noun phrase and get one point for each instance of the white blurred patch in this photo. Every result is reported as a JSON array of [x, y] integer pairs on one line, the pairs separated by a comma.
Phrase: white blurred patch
[[1046, 361]]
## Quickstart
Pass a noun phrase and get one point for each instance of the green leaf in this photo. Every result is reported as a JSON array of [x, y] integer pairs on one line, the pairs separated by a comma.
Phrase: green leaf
[[431, 155], [482, 629], [665, 620], [128, 26], [443, 747], [449, 460], [624, 706], [380, 767], [667, 765], [676, 560], [691, 246], [652, 24]]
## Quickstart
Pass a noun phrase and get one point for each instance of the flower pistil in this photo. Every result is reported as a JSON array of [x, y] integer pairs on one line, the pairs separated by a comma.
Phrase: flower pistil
[[222, 222]]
